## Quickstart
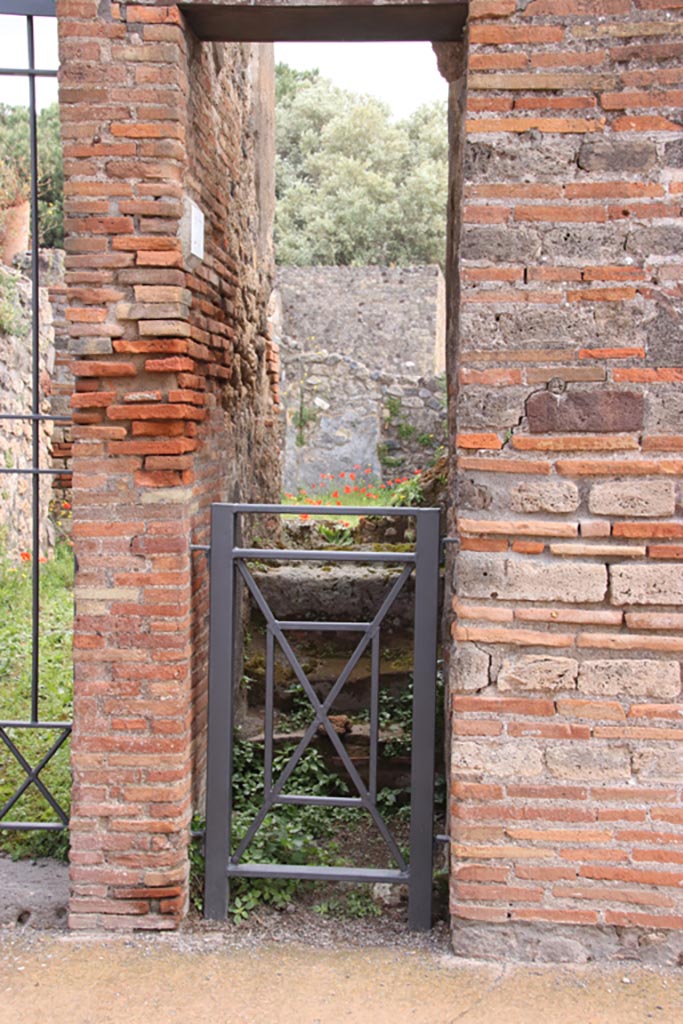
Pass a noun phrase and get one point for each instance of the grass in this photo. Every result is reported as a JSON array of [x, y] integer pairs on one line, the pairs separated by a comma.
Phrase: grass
[[55, 695], [356, 488]]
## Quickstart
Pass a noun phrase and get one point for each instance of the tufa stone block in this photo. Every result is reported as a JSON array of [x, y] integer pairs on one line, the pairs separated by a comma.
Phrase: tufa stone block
[[647, 584], [588, 764], [518, 760], [545, 496], [630, 678], [470, 668], [487, 576], [617, 156], [536, 672], [633, 498], [585, 412]]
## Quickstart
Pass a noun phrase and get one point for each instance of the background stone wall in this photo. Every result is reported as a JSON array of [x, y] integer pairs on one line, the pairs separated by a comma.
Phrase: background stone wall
[[568, 630], [360, 348], [16, 398]]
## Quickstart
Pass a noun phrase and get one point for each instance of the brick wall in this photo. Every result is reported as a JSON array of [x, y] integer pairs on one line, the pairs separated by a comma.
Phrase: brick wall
[[171, 411], [567, 767]]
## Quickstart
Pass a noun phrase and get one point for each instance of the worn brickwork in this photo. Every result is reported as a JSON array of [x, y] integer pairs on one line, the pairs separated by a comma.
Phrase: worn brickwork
[[567, 781], [172, 410]]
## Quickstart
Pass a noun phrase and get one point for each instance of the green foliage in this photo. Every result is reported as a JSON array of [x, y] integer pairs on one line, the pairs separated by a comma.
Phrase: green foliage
[[406, 430], [56, 689], [354, 187], [11, 321], [301, 419], [339, 536], [289, 835], [408, 494], [15, 167], [393, 404], [354, 905]]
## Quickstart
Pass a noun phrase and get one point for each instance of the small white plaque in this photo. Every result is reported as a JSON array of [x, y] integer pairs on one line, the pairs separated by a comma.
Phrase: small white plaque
[[196, 231]]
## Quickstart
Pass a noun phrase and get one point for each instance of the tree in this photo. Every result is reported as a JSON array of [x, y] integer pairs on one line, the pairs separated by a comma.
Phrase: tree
[[15, 167], [353, 186]]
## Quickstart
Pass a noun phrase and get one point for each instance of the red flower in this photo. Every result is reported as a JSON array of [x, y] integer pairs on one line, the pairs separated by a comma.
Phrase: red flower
[[352, 476], [304, 515], [25, 556], [66, 505], [342, 475], [368, 470], [357, 466], [347, 489], [335, 494]]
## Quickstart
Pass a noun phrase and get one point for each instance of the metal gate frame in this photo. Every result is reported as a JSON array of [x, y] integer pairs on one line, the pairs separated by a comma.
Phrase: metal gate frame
[[62, 730], [227, 566]]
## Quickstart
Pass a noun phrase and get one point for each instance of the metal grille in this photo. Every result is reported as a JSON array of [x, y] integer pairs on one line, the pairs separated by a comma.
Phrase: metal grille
[[228, 562], [10, 730]]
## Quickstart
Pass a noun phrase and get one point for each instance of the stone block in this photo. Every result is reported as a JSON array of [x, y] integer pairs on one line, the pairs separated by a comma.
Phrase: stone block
[[647, 584], [658, 240], [588, 763], [536, 672], [630, 678], [664, 410], [587, 411], [633, 498], [627, 156], [534, 327], [605, 243], [510, 159], [659, 763], [488, 576], [469, 668], [673, 153], [545, 496], [507, 761], [501, 244], [487, 408], [664, 338]]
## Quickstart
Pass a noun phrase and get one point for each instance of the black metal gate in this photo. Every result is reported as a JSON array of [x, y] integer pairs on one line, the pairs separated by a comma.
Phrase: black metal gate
[[11, 731], [228, 563]]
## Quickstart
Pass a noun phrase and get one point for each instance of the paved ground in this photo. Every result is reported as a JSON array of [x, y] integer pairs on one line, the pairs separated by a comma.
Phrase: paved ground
[[286, 970]]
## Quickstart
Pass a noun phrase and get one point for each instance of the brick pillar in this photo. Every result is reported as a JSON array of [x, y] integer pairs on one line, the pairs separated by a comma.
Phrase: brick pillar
[[566, 684], [158, 337]]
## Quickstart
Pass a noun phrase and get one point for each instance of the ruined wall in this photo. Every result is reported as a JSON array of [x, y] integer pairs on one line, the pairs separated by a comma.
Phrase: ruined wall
[[16, 436], [567, 770], [172, 409], [360, 348]]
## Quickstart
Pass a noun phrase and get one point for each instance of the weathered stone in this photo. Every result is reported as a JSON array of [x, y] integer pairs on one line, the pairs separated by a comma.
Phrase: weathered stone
[[472, 496], [615, 321], [659, 763], [573, 241], [646, 584], [630, 678], [489, 408], [545, 496], [616, 155], [525, 158], [664, 335], [585, 411], [536, 672], [673, 153], [487, 576], [501, 245], [509, 760], [659, 240], [664, 410], [633, 498], [534, 328], [470, 668], [588, 763]]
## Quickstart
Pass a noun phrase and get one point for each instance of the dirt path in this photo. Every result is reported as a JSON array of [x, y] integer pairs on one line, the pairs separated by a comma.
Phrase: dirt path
[[55, 979]]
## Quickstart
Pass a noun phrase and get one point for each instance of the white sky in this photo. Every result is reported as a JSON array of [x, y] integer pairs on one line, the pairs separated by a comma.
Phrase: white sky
[[404, 75]]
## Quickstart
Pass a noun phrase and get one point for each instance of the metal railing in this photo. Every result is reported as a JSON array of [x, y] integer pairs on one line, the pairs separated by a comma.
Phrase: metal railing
[[228, 566], [30, 9]]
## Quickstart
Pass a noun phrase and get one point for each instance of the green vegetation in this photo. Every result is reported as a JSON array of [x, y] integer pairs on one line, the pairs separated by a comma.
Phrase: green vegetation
[[15, 167], [56, 688], [353, 186], [10, 312]]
